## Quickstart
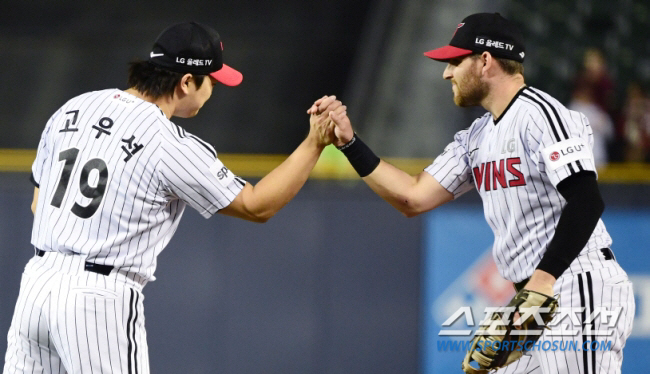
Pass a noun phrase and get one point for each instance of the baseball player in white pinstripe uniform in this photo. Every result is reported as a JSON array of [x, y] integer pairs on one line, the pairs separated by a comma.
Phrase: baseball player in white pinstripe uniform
[[530, 160], [113, 176]]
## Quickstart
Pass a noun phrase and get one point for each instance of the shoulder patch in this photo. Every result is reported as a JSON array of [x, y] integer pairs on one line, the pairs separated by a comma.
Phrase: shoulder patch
[[221, 172], [565, 152]]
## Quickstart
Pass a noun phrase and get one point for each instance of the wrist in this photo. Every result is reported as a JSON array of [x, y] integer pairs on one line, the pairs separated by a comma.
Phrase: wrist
[[361, 157], [542, 282], [313, 142], [346, 139], [347, 144]]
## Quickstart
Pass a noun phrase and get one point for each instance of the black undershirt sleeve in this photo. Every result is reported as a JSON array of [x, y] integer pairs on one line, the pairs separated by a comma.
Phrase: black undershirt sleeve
[[577, 222]]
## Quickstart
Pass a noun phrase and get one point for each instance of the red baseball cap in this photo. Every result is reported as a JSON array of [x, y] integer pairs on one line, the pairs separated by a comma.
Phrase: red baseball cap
[[483, 32], [191, 47]]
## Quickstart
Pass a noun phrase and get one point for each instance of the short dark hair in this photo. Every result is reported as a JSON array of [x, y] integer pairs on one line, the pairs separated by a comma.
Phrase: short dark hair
[[510, 67], [154, 81]]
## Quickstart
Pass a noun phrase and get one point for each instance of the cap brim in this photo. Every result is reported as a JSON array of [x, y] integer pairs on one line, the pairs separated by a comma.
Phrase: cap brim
[[447, 53], [228, 76]]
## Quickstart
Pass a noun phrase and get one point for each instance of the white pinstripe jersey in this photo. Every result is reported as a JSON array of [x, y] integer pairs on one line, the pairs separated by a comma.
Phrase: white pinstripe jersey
[[114, 177], [516, 163]]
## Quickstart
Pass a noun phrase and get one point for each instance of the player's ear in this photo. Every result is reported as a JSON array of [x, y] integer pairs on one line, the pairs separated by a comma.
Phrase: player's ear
[[184, 83], [485, 57], [486, 61]]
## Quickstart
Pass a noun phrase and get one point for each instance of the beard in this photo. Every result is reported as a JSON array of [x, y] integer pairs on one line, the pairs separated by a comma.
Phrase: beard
[[471, 91]]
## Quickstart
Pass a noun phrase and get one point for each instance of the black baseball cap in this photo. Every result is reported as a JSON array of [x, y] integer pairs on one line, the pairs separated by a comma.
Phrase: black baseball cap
[[191, 47], [483, 32]]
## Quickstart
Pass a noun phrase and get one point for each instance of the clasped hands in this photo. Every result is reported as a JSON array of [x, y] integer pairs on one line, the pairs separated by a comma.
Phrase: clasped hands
[[329, 122]]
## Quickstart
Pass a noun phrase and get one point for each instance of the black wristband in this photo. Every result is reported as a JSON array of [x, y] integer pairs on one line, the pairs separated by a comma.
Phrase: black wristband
[[361, 157]]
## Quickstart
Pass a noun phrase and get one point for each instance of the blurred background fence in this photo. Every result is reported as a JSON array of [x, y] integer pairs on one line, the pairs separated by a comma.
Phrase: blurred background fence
[[338, 282]]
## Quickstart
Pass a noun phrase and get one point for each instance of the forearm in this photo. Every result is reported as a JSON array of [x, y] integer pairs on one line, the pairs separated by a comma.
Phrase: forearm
[[278, 187], [577, 222], [394, 186], [35, 200], [409, 194]]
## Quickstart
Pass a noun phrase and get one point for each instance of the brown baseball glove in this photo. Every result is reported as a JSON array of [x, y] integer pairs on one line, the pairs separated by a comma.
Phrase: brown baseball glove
[[504, 342]]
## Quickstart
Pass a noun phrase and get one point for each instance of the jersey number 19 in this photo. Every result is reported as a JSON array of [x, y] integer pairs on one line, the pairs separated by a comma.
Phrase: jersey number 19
[[95, 193]]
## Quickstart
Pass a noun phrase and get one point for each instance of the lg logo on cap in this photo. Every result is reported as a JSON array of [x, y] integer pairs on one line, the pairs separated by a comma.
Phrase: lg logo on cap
[[555, 156]]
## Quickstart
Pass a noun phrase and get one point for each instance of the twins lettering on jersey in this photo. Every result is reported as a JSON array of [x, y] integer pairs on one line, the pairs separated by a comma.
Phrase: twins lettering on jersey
[[501, 173], [493, 175]]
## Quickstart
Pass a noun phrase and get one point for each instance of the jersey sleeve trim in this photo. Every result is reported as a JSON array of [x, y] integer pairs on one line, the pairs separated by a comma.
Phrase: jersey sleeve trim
[[554, 122], [179, 130], [183, 135], [451, 170], [205, 145], [190, 171]]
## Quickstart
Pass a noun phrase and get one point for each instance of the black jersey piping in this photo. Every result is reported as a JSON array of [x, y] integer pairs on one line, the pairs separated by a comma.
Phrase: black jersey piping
[[555, 113], [510, 104], [204, 144], [547, 115]]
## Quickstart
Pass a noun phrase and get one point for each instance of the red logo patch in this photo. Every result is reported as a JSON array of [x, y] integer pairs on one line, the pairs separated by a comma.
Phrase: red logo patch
[[458, 27], [555, 156], [116, 96]]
